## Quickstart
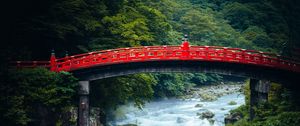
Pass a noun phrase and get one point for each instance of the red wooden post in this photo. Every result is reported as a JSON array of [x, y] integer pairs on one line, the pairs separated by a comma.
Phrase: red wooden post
[[225, 54], [53, 63], [243, 53], [145, 51], [67, 64], [185, 46], [207, 54]]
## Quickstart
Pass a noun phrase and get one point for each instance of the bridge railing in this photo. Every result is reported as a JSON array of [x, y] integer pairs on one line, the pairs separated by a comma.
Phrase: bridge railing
[[31, 64], [152, 53]]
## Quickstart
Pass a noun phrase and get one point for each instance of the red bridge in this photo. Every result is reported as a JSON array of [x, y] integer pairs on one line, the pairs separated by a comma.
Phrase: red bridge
[[165, 53]]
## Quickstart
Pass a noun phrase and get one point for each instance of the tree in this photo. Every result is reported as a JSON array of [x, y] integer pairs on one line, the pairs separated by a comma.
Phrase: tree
[[129, 25], [34, 95], [240, 15], [200, 25], [111, 92]]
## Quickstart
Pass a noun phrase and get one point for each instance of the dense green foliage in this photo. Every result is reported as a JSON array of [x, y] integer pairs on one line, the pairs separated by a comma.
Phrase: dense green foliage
[[282, 108], [34, 95], [109, 93], [33, 28], [177, 84]]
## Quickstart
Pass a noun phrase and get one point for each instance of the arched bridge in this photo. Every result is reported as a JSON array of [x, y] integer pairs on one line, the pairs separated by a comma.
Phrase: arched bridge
[[122, 61], [184, 58]]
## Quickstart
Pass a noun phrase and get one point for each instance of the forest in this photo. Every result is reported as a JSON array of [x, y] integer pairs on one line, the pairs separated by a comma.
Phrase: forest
[[33, 28]]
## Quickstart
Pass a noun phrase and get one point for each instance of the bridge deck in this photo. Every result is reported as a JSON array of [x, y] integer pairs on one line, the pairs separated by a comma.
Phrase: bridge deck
[[165, 53]]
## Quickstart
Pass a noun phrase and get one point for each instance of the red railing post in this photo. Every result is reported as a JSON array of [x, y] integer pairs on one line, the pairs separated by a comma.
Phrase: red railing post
[[243, 53], [225, 54], [185, 49], [66, 62], [145, 51], [206, 52], [53, 63]]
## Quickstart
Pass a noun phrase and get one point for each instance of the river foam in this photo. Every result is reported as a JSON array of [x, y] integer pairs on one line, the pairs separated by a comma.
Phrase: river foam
[[176, 112]]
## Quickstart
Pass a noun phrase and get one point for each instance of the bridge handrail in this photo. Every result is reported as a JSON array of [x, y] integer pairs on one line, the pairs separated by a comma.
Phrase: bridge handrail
[[30, 64], [166, 52]]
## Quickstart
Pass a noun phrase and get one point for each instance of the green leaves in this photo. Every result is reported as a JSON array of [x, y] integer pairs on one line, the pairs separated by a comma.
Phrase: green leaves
[[260, 23], [131, 26], [176, 84], [114, 91], [17, 111], [280, 110], [169, 85], [198, 22], [31, 89], [138, 24], [240, 15]]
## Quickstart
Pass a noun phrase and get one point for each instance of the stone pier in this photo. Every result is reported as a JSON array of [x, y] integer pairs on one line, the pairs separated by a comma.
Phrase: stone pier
[[84, 109], [258, 93]]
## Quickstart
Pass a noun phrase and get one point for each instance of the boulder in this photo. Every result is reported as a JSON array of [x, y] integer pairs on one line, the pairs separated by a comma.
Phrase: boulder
[[206, 114], [233, 117], [211, 121], [198, 105], [208, 97], [232, 103]]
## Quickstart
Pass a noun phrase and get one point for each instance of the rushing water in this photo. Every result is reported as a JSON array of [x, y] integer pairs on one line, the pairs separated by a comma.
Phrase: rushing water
[[176, 112]]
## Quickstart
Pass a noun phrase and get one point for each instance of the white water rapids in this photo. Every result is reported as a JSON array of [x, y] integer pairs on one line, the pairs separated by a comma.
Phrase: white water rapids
[[176, 112]]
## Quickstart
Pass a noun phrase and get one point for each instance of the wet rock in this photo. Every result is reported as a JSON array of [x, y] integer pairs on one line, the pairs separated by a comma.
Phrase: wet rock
[[194, 89], [207, 114], [198, 105], [208, 97], [211, 121], [232, 118], [223, 109]]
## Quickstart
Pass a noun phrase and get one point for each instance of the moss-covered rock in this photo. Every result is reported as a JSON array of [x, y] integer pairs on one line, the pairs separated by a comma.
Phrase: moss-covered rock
[[232, 103], [207, 114], [232, 118]]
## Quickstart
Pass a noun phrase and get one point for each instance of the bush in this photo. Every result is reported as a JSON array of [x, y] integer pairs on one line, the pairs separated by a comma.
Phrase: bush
[[232, 103], [284, 119], [35, 94]]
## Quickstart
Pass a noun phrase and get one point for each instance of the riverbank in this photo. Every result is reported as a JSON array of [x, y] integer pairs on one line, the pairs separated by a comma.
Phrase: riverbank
[[213, 92]]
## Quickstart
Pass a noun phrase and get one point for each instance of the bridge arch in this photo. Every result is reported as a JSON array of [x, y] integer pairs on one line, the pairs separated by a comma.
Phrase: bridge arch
[[175, 66]]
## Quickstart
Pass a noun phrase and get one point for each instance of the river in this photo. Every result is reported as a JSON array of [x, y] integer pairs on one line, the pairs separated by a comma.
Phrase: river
[[177, 112]]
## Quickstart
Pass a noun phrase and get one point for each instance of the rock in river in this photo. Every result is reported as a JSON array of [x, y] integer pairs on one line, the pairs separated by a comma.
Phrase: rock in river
[[206, 114], [233, 118], [198, 105]]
